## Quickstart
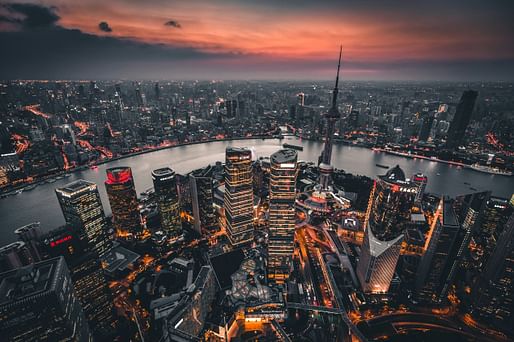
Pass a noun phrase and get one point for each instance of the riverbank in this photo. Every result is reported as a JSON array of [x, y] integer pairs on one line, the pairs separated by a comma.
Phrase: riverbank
[[13, 190]]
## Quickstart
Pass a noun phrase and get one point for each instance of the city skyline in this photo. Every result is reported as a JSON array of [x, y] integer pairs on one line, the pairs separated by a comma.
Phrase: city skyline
[[463, 40], [150, 192]]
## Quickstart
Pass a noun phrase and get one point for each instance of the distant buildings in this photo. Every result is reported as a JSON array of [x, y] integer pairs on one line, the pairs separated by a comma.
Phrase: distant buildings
[[461, 119], [39, 303], [165, 185], [238, 198], [81, 206], [282, 214], [123, 200]]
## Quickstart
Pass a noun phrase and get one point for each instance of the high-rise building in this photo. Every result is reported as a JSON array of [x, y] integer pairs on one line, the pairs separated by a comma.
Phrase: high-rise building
[[330, 120], [468, 209], [81, 206], [377, 262], [433, 271], [389, 210], [203, 199], [281, 214], [393, 197], [91, 287], [123, 200], [238, 198], [38, 303], [420, 180], [461, 119], [493, 298], [165, 185], [426, 127]]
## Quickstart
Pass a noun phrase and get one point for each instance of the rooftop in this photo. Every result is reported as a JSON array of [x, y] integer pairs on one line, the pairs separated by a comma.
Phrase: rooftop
[[75, 186], [30, 280], [165, 171], [284, 156]]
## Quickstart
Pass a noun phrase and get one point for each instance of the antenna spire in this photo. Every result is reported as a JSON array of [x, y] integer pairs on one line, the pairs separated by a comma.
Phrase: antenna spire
[[336, 89]]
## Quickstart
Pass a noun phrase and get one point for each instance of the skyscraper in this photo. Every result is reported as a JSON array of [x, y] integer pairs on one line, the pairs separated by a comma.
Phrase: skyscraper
[[461, 119], [392, 202], [91, 287], [389, 209], [202, 199], [165, 185], [38, 303], [123, 200], [330, 120], [81, 206], [282, 214], [493, 298], [377, 262], [433, 271], [238, 198], [420, 180]]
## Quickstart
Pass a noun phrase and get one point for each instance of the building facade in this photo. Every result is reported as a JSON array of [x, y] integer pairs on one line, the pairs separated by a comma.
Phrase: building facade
[[165, 186], [238, 198], [38, 303], [284, 170], [123, 200], [81, 206], [202, 195]]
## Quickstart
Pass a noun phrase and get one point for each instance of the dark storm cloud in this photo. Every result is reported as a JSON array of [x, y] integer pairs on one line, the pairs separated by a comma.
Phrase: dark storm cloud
[[29, 16], [104, 26], [173, 23]]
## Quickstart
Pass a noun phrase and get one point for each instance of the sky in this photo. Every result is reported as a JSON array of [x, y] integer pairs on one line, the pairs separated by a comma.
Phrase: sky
[[460, 40]]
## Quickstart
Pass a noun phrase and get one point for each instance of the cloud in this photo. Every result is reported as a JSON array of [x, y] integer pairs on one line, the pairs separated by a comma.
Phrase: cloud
[[29, 16], [104, 26], [173, 23]]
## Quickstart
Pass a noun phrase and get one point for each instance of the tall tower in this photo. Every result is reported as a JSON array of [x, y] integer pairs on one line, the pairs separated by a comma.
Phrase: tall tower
[[461, 119], [202, 197], [390, 207], [165, 185], [433, 270], [238, 200], [282, 214], [330, 120], [81, 206], [123, 200]]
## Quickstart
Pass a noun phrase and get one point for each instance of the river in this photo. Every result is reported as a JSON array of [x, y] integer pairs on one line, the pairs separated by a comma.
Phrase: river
[[40, 204]]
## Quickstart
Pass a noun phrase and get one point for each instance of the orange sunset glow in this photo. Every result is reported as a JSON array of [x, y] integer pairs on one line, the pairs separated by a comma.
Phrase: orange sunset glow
[[291, 35]]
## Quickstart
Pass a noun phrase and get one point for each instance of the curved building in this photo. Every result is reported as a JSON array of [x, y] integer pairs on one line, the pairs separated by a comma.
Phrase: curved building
[[123, 200], [391, 200], [284, 169], [165, 185], [238, 198]]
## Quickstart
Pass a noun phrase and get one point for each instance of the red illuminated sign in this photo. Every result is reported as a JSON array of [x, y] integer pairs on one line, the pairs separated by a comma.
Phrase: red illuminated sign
[[119, 176], [59, 241]]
